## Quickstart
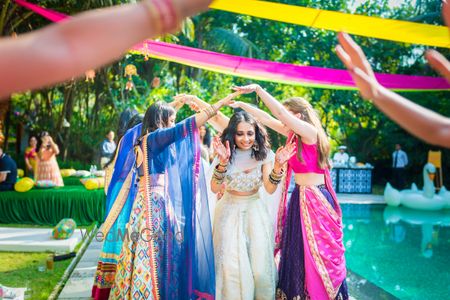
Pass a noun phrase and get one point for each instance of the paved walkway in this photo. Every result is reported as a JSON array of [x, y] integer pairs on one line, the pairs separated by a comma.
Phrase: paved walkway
[[80, 282]]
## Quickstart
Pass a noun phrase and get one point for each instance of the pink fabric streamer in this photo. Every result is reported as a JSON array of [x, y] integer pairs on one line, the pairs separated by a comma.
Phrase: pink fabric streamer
[[281, 72], [262, 69], [53, 16]]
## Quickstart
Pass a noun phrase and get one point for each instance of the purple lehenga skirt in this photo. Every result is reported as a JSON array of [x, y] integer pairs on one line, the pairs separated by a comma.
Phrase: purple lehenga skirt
[[291, 275]]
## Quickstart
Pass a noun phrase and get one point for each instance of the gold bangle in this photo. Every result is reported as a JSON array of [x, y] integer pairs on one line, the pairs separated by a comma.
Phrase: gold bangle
[[155, 14], [215, 109], [222, 165], [164, 12], [219, 176], [273, 180], [209, 110], [212, 111], [217, 171], [218, 181], [277, 176], [173, 15]]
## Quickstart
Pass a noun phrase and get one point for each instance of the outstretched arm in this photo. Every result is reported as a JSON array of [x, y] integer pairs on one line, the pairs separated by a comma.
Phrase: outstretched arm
[[437, 60], [307, 131], [263, 117], [419, 121], [218, 121], [68, 49]]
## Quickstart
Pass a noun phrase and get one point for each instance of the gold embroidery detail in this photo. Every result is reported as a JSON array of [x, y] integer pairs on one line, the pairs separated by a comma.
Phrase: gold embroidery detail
[[117, 206], [324, 201], [331, 291], [109, 255], [280, 295], [149, 219]]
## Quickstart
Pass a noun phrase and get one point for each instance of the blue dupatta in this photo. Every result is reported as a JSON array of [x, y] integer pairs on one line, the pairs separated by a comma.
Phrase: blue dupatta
[[120, 197], [176, 151]]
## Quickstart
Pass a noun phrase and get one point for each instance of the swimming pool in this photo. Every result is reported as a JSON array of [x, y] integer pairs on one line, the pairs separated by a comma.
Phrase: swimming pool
[[403, 252]]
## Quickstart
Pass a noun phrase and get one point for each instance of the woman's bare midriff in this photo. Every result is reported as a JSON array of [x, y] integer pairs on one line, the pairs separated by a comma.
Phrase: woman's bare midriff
[[309, 179], [236, 193]]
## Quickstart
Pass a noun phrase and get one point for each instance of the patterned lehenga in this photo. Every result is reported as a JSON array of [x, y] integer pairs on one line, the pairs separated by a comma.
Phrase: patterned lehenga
[[167, 251]]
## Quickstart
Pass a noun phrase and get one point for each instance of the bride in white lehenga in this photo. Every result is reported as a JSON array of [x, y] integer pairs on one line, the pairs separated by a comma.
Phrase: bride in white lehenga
[[243, 227]]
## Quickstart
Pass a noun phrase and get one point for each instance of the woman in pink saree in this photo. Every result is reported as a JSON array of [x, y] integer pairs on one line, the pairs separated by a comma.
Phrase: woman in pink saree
[[309, 238]]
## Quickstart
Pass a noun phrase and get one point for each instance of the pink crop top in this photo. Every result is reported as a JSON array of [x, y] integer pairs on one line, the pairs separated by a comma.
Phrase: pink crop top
[[310, 157]]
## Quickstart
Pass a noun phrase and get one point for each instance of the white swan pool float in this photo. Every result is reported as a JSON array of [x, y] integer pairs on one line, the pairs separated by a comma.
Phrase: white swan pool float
[[427, 199]]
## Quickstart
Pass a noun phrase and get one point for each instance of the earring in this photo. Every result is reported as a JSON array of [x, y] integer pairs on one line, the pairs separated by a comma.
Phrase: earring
[[255, 147]]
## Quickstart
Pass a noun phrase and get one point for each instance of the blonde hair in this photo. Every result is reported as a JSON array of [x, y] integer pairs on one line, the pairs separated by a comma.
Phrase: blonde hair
[[311, 116]]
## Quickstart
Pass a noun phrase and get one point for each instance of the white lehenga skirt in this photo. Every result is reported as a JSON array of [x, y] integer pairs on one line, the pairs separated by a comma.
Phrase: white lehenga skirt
[[243, 249]]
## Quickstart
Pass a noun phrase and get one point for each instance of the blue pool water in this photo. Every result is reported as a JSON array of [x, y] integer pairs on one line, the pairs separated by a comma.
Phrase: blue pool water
[[401, 251]]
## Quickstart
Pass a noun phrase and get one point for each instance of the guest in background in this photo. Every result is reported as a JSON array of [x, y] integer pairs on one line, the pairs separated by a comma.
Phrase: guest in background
[[47, 166], [340, 159], [8, 172], [399, 163], [31, 156], [107, 149], [205, 146]]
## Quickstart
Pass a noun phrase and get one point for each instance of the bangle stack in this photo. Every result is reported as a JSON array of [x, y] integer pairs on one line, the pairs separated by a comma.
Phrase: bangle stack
[[163, 13], [210, 111], [219, 175], [275, 178]]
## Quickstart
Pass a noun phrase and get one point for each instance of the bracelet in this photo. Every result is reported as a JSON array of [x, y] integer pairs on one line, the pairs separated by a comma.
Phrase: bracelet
[[218, 181], [219, 178], [222, 165], [155, 14], [173, 14], [210, 111], [273, 180], [216, 170], [219, 174], [277, 176], [167, 10], [163, 12]]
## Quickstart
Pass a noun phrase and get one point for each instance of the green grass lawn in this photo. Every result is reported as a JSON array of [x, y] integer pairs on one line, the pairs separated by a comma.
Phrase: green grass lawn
[[20, 269]]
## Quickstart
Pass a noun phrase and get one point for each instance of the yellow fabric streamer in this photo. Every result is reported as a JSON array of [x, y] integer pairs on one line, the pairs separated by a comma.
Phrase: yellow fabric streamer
[[394, 30]]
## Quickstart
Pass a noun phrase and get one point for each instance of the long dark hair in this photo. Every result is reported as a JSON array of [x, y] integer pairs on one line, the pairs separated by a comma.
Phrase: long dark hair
[[39, 140], [33, 136], [262, 143], [124, 119], [136, 119], [157, 116], [207, 137]]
